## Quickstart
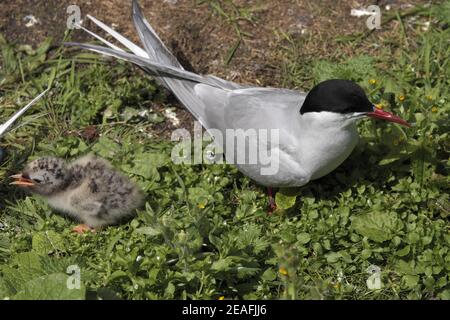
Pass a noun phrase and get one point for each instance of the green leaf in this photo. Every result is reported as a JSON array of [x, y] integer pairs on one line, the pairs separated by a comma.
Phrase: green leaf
[[146, 165], [47, 241], [222, 264], [403, 252], [445, 295], [105, 147], [404, 267], [410, 281], [365, 254], [303, 237], [284, 202], [390, 158], [27, 261], [232, 51], [333, 257], [170, 291], [377, 226], [149, 231], [269, 275], [50, 287], [5, 290], [29, 266], [117, 274]]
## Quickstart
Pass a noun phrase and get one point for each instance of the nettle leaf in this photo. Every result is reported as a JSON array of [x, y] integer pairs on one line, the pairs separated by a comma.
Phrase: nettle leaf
[[170, 291], [146, 165], [149, 231], [303, 237], [47, 241], [222, 264], [285, 202], [269, 275], [390, 158], [106, 147], [50, 287], [404, 267], [29, 267], [377, 226], [243, 272], [403, 252], [248, 236], [27, 261], [13, 279], [58, 264], [410, 281], [333, 257]]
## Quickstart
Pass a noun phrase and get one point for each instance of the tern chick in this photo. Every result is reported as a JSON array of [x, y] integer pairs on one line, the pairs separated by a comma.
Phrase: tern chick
[[88, 190]]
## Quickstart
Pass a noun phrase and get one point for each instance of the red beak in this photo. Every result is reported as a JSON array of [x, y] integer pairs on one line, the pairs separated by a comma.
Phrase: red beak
[[384, 115]]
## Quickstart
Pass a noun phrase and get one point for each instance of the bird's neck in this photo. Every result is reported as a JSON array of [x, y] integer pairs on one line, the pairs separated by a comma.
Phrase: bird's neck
[[326, 140]]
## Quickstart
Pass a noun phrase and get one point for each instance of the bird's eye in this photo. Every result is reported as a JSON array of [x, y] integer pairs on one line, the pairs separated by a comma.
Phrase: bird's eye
[[37, 180]]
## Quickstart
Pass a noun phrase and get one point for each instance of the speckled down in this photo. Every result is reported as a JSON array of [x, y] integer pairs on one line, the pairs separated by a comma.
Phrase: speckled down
[[89, 189]]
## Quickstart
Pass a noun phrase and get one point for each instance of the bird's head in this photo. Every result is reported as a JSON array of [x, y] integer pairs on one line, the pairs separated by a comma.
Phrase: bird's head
[[44, 176], [344, 100]]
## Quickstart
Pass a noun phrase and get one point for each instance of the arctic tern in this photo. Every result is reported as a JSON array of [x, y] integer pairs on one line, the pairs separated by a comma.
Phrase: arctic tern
[[316, 130]]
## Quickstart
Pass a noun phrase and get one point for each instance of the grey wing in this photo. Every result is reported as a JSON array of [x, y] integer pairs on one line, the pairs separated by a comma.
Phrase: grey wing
[[250, 108], [263, 108]]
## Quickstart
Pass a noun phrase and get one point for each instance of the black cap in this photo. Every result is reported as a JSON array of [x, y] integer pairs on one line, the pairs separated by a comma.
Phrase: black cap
[[340, 96]]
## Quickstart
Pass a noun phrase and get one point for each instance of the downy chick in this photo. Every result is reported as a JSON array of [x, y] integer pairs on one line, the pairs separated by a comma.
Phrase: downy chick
[[88, 190]]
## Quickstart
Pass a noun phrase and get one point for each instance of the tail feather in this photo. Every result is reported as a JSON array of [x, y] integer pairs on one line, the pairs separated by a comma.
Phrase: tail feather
[[157, 51], [124, 41], [157, 60], [151, 66], [160, 53], [183, 87], [153, 44]]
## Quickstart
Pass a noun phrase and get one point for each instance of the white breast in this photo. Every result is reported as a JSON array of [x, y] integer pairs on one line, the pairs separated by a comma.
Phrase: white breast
[[326, 142], [61, 202]]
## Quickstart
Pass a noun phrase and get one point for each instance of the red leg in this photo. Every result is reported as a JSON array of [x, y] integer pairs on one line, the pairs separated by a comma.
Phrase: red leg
[[82, 228], [272, 203]]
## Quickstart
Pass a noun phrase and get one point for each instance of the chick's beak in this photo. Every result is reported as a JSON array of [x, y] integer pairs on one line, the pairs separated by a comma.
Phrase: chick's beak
[[20, 180], [384, 115]]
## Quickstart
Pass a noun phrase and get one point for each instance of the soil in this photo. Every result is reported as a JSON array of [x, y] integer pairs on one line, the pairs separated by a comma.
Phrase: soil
[[199, 37]]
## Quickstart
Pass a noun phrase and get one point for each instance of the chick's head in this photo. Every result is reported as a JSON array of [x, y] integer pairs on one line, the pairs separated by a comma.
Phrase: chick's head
[[44, 176]]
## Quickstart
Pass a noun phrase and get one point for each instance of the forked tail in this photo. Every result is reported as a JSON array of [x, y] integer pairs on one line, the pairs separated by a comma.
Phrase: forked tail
[[157, 60]]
